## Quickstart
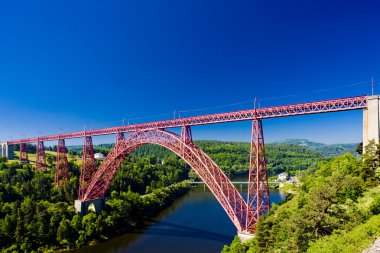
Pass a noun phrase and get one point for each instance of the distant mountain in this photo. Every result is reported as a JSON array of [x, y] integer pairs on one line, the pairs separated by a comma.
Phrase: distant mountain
[[325, 149]]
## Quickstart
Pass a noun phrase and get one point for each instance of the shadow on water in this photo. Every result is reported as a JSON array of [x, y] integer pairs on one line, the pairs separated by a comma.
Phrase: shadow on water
[[162, 228]]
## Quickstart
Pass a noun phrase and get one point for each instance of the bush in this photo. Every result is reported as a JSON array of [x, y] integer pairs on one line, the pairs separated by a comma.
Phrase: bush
[[375, 205], [360, 238]]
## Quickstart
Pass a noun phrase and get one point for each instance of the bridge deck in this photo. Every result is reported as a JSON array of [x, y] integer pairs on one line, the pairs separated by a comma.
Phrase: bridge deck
[[332, 105], [234, 182]]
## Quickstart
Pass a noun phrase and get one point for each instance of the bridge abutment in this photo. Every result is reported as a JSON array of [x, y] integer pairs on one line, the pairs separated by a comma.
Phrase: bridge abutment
[[6, 150], [93, 205], [371, 117], [244, 236]]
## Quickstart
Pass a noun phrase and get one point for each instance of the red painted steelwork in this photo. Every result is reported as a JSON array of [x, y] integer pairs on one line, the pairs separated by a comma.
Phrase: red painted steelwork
[[40, 157], [119, 137], [258, 200], [209, 172], [333, 105], [23, 153], [186, 135], [62, 165], [88, 166]]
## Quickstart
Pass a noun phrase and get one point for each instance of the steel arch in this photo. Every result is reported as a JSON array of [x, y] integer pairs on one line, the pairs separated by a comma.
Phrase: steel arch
[[219, 184]]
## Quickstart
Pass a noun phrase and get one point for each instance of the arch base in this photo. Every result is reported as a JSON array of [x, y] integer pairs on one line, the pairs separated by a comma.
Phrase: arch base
[[245, 236], [7, 150], [94, 205]]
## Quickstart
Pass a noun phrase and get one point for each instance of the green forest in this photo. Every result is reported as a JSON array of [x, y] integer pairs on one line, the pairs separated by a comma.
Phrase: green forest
[[336, 208], [37, 217], [233, 157]]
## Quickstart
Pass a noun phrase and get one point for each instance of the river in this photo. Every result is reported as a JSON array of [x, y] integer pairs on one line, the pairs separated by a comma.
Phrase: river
[[194, 223]]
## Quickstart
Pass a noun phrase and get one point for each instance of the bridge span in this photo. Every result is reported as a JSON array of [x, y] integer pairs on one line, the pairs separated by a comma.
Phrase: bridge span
[[244, 213], [233, 182], [324, 106]]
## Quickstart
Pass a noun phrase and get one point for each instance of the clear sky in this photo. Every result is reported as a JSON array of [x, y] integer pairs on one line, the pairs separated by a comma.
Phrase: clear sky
[[67, 64]]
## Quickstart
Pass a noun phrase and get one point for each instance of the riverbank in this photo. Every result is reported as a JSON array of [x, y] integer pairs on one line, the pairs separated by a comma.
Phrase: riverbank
[[343, 193], [128, 211], [194, 222], [289, 188]]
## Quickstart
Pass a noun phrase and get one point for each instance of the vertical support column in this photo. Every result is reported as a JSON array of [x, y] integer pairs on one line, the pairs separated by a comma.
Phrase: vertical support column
[[10, 151], [41, 157], [119, 137], [258, 201], [371, 121], [186, 135], [23, 153], [88, 166], [6, 150], [62, 165]]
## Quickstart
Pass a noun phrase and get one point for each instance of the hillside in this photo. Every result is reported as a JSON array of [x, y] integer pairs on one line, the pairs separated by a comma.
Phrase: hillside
[[35, 216], [336, 209], [231, 157], [328, 150]]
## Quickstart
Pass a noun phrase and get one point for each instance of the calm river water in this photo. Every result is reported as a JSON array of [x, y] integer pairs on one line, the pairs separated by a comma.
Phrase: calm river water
[[194, 223]]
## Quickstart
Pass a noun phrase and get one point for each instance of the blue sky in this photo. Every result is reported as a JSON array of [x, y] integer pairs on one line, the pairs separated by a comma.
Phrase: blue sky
[[67, 64]]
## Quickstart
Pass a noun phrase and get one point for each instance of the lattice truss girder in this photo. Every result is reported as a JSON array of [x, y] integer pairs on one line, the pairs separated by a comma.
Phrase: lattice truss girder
[[40, 156], [119, 137], [88, 166], [186, 135], [332, 105], [62, 165], [23, 152], [210, 173], [258, 199]]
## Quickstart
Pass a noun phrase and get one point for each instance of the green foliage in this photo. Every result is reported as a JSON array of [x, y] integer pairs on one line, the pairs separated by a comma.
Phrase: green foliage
[[371, 164], [36, 217], [235, 247], [360, 238], [233, 157], [338, 149], [3, 160], [375, 205], [143, 175], [359, 148], [331, 212], [330, 150]]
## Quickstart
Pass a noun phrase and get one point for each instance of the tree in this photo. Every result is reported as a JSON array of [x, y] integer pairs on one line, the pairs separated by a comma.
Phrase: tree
[[20, 229], [375, 205], [371, 163], [359, 148], [236, 247], [50, 159], [64, 232]]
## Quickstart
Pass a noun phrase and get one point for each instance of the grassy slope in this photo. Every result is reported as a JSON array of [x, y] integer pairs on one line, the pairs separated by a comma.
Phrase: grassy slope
[[358, 239], [334, 211]]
